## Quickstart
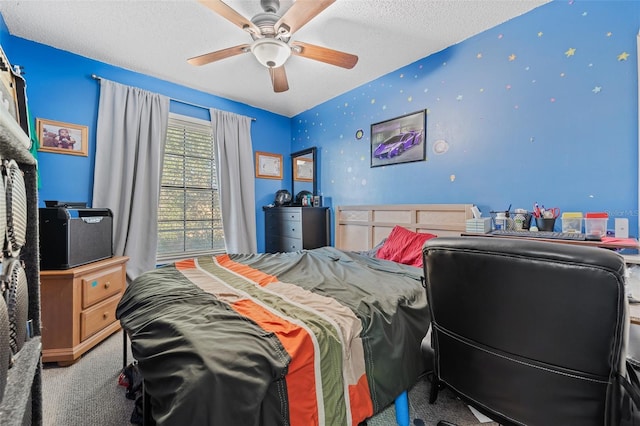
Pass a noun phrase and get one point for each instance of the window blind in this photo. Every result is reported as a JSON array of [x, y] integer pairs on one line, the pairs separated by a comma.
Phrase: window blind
[[189, 217]]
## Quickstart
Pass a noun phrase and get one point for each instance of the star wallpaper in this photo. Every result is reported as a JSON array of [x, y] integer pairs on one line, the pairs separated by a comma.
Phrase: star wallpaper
[[542, 108]]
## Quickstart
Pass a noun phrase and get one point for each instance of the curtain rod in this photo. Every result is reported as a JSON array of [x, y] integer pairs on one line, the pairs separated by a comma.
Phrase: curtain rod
[[97, 77]]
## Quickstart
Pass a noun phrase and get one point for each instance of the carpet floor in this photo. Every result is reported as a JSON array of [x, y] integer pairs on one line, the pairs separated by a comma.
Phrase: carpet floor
[[87, 394]]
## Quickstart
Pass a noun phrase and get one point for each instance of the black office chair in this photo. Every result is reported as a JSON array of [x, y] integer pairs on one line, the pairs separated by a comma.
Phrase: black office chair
[[528, 332]]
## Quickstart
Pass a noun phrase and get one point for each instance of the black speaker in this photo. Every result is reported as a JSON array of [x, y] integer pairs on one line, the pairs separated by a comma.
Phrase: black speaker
[[5, 348], [17, 297], [16, 207]]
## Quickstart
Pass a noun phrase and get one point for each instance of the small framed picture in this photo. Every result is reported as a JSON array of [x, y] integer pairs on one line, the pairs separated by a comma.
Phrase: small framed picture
[[62, 138], [303, 169], [268, 166]]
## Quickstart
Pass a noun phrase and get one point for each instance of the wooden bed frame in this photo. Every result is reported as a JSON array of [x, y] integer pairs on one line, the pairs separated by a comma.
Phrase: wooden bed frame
[[362, 227]]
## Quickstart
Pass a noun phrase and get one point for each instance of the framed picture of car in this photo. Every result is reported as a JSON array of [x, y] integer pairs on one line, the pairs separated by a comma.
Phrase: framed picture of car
[[399, 140]]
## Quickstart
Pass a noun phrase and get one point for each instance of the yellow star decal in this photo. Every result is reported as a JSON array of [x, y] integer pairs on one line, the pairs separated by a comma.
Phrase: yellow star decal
[[623, 56], [570, 52], [512, 57]]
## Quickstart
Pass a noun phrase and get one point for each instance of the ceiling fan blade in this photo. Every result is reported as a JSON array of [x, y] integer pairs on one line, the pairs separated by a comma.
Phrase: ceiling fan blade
[[207, 58], [279, 79], [324, 54], [224, 10], [300, 12]]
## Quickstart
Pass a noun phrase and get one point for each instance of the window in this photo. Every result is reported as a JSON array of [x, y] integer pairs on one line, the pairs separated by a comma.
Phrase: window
[[189, 217]]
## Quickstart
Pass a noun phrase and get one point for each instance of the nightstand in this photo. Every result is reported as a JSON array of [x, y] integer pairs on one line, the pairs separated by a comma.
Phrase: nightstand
[[78, 307]]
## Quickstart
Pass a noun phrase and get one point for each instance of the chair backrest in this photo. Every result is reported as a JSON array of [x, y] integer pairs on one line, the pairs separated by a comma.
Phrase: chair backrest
[[528, 332]]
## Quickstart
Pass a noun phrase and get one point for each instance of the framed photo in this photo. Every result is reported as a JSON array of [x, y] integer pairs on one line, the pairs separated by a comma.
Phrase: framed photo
[[399, 140], [268, 166], [303, 169], [62, 138]]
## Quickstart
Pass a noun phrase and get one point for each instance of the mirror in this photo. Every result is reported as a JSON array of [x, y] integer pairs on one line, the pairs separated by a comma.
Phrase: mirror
[[303, 173]]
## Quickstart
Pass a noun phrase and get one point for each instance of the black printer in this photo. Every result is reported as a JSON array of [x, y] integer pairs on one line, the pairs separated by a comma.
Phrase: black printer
[[72, 234]]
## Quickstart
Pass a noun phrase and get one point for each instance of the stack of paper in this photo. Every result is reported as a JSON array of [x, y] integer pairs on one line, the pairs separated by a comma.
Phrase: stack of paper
[[479, 226]]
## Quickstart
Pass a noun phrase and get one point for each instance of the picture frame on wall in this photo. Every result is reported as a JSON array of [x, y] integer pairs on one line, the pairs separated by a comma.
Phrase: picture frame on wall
[[62, 138], [303, 169], [399, 140], [268, 166]]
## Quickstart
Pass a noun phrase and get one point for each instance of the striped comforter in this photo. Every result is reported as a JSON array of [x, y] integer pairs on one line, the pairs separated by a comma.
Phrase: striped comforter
[[315, 337]]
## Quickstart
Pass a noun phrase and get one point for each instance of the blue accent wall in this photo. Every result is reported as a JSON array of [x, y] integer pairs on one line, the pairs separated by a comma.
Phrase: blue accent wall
[[4, 32], [543, 108], [60, 88]]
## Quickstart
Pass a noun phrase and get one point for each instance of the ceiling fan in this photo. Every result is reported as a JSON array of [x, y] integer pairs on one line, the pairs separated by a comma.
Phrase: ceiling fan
[[271, 34]]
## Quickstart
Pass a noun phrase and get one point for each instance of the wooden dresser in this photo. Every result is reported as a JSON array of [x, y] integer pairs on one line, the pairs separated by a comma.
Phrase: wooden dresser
[[296, 228], [78, 307]]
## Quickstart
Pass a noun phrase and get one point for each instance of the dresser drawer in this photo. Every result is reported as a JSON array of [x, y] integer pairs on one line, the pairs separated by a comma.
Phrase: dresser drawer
[[291, 229], [290, 244], [278, 244], [98, 317], [101, 284], [293, 214]]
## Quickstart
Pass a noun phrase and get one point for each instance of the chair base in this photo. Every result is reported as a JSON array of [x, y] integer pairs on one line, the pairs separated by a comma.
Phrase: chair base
[[436, 385]]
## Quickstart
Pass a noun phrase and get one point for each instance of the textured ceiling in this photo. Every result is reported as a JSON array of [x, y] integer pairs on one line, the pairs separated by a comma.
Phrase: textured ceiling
[[157, 37]]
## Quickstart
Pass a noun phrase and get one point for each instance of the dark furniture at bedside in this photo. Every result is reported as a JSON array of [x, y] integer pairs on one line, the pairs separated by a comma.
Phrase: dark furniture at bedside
[[296, 228]]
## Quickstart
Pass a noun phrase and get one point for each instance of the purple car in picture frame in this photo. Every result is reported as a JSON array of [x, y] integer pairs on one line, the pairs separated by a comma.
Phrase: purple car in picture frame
[[397, 144]]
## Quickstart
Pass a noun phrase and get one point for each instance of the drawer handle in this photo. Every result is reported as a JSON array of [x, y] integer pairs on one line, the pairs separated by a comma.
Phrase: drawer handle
[[107, 284], [105, 315]]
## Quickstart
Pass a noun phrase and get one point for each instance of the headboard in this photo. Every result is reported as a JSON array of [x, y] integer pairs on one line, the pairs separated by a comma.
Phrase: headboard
[[362, 227]]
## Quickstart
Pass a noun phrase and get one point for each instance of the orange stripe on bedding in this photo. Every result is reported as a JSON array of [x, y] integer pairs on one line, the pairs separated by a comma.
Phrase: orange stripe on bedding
[[360, 399], [360, 403], [248, 272], [301, 386], [185, 264]]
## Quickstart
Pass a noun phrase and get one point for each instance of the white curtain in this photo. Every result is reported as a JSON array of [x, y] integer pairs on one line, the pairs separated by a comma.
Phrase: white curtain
[[131, 132], [232, 136]]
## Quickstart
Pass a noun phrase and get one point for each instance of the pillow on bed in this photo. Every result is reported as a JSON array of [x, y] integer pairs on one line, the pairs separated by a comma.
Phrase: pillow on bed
[[404, 246]]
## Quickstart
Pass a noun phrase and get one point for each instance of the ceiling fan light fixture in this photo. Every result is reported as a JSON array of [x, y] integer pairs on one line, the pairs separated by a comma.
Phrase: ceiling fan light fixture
[[270, 52]]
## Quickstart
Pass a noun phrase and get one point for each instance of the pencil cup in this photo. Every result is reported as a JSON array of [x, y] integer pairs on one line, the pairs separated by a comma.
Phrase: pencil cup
[[545, 224], [521, 221]]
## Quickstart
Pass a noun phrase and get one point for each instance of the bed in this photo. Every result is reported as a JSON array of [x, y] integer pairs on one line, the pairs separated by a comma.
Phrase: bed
[[329, 336]]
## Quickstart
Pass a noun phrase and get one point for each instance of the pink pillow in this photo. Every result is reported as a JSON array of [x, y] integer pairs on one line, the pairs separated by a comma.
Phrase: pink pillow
[[404, 246]]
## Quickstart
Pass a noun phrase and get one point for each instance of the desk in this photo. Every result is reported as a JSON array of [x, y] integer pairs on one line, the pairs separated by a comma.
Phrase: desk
[[610, 243]]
